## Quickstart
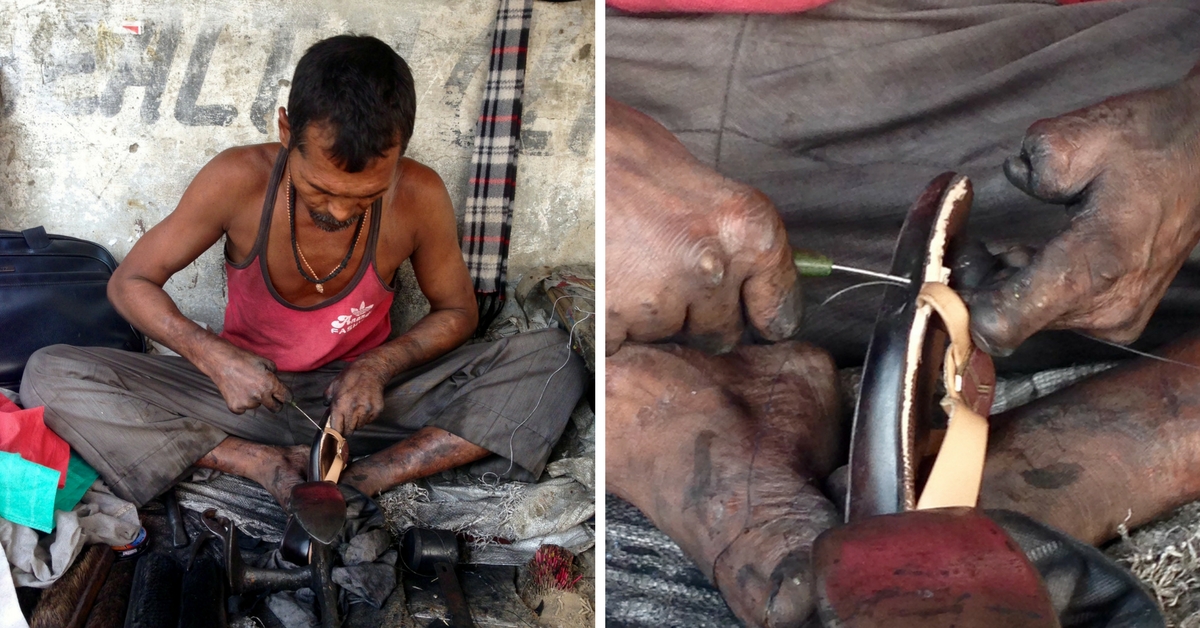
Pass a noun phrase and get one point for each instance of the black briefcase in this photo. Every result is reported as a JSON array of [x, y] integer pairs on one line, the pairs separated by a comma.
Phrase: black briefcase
[[53, 290]]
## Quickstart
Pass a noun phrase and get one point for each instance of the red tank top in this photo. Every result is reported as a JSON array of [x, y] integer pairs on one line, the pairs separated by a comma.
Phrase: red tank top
[[348, 324]]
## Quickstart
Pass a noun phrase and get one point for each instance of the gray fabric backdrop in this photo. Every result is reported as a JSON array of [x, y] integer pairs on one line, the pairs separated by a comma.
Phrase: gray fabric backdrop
[[842, 115]]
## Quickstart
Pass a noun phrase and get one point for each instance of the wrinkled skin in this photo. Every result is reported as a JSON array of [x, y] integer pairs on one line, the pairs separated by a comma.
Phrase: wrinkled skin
[[356, 395], [245, 380], [1122, 447], [722, 452], [1128, 170], [691, 438], [689, 248]]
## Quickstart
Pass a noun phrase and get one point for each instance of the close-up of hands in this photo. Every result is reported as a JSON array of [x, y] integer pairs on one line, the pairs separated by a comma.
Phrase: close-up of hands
[[246, 380], [691, 254], [1128, 171]]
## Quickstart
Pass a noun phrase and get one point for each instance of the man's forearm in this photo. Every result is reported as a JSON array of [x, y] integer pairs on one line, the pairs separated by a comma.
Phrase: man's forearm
[[435, 335], [152, 311]]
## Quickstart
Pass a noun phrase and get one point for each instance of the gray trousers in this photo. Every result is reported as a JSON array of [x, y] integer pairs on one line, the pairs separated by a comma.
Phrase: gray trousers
[[143, 420], [841, 116]]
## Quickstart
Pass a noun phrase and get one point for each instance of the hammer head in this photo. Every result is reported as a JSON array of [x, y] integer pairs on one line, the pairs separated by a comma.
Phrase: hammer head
[[421, 549]]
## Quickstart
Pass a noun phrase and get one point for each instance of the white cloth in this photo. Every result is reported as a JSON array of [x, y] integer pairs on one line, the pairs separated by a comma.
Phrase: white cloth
[[10, 610], [38, 560]]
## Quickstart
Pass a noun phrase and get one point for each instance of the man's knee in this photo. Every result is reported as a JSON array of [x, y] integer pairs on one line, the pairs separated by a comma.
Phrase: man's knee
[[538, 340], [45, 365], [548, 348], [46, 357]]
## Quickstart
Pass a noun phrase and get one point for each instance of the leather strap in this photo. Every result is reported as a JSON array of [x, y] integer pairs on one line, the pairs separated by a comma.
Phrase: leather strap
[[36, 238], [341, 453], [958, 469]]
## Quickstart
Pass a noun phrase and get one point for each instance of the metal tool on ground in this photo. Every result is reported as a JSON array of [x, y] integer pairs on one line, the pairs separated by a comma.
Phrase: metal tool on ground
[[244, 579], [435, 553], [812, 264], [915, 550], [317, 507], [179, 536]]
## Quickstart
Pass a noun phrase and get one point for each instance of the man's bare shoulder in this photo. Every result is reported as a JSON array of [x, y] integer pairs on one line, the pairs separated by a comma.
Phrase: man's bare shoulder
[[240, 170], [420, 185], [418, 212]]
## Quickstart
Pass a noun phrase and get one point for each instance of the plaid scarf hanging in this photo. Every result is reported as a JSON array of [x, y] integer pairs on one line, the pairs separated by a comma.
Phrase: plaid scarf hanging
[[493, 180]]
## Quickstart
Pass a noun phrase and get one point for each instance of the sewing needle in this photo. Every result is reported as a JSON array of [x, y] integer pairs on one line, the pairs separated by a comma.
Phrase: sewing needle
[[810, 264], [310, 419]]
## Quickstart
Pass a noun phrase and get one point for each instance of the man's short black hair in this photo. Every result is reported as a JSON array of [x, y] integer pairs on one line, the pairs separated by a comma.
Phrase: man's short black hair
[[362, 89]]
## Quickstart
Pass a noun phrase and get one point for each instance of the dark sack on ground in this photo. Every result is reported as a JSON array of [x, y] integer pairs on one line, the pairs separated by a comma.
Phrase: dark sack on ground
[[53, 291]]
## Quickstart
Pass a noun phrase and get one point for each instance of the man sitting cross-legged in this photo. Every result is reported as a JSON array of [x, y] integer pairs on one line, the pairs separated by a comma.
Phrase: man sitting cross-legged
[[315, 229]]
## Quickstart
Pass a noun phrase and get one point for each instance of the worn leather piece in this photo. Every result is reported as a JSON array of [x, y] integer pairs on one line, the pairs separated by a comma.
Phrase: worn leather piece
[[957, 470], [955, 567], [893, 411], [917, 553]]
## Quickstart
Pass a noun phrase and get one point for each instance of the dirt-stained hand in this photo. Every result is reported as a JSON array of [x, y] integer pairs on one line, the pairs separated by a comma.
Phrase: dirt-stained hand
[[1128, 170], [356, 395], [245, 380], [688, 250]]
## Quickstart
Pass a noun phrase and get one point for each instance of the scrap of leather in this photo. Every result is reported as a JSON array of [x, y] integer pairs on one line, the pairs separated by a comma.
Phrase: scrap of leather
[[970, 384], [945, 567], [969, 373], [330, 455], [931, 559]]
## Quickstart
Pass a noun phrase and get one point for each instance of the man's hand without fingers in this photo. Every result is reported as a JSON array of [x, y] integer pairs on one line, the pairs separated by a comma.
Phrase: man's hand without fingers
[[1128, 170], [687, 249]]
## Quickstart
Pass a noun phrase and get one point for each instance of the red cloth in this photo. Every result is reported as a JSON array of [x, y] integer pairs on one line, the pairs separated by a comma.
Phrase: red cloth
[[24, 432], [296, 339]]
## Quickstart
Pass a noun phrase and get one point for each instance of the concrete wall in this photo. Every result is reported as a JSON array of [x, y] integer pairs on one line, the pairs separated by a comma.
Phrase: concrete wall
[[102, 128]]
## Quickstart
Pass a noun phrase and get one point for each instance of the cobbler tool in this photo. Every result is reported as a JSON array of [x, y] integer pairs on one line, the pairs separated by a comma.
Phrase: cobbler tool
[[435, 553], [179, 535], [915, 551], [317, 508], [813, 264], [244, 579]]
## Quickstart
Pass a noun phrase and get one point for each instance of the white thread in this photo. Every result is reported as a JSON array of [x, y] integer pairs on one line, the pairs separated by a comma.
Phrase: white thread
[[1136, 352], [857, 285], [310, 419], [512, 437]]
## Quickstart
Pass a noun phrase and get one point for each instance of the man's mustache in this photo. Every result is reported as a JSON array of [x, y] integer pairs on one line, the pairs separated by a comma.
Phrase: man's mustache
[[327, 222]]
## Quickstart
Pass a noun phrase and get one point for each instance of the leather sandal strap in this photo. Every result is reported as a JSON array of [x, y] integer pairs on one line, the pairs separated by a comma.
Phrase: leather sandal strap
[[339, 463], [958, 468]]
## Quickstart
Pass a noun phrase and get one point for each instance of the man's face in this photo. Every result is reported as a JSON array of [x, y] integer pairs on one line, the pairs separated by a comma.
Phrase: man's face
[[333, 197]]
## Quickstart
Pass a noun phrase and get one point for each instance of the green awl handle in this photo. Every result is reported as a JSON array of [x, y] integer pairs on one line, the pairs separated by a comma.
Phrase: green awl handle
[[811, 264]]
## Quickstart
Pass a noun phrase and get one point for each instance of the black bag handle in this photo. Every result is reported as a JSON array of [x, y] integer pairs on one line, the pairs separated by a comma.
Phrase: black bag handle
[[36, 238]]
